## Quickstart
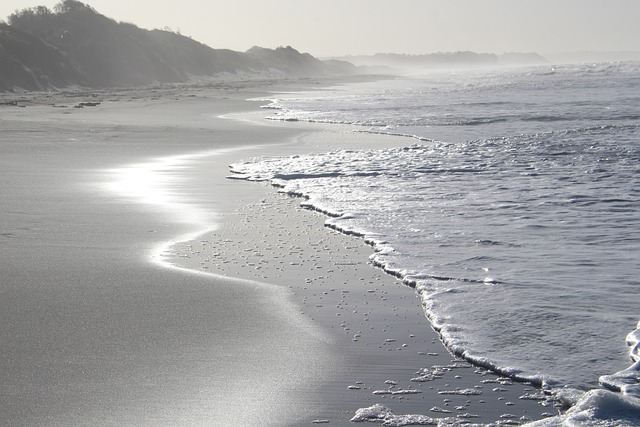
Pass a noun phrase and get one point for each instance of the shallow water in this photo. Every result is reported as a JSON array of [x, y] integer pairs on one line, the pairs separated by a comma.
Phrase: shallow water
[[514, 211]]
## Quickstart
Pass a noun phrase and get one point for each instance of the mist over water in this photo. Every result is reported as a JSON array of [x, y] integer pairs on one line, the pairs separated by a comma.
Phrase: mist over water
[[514, 209]]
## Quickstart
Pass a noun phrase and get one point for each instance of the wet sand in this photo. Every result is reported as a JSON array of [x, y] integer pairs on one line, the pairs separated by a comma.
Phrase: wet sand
[[387, 352], [96, 331]]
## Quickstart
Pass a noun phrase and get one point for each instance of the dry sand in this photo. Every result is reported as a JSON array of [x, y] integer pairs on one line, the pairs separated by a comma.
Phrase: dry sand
[[302, 329]]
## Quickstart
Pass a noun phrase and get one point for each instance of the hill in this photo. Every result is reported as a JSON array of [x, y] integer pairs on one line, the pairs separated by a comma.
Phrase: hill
[[75, 45]]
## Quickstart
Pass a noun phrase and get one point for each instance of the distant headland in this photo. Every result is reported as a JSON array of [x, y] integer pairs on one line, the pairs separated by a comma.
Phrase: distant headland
[[464, 59]]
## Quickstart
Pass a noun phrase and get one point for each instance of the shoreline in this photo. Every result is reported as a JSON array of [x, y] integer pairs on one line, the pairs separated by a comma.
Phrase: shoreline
[[111, 336], [428, 374], [392, 356], [96, 334]]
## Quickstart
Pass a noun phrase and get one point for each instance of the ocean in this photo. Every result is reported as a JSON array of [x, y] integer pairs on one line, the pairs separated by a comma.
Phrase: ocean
[[513, 210]]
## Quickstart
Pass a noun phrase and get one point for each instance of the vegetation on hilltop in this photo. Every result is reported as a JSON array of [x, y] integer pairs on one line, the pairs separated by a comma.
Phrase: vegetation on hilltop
[[73, 44], [28, 62]]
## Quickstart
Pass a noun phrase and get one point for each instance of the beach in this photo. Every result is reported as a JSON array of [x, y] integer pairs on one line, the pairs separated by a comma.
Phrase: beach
[[142, 286]]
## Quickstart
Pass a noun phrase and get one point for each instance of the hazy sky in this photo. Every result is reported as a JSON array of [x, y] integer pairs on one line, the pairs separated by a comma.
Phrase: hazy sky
[[339, 27]]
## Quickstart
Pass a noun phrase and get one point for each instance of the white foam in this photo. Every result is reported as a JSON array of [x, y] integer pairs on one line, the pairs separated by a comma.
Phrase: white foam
[[443, 214], [633, 341], [358, 201], [597, 408], [627, 381]]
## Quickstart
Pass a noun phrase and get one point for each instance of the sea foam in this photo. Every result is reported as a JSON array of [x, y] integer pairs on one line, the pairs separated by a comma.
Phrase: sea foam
[[515, 217]]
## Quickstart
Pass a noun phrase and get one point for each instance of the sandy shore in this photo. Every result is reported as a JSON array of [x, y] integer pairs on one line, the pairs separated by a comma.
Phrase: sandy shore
[[286, 323], [386, 351]]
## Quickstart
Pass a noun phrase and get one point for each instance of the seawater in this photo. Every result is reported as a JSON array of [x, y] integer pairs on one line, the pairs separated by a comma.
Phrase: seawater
[[514, 210]]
